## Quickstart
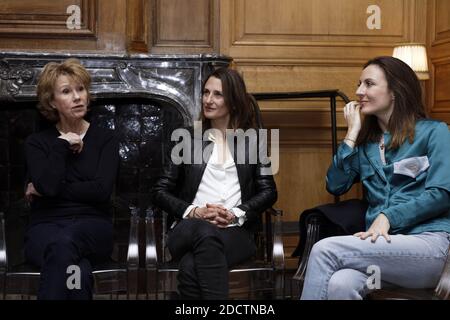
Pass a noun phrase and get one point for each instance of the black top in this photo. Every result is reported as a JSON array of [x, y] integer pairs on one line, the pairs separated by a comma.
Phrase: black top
[[71, 184]]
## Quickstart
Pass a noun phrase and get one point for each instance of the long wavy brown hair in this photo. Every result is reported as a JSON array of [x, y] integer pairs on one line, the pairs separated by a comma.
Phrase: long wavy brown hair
[[239, 102], [408, 105]]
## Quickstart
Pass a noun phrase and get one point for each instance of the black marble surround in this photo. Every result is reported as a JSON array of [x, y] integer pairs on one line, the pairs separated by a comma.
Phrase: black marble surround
[[142, 97]]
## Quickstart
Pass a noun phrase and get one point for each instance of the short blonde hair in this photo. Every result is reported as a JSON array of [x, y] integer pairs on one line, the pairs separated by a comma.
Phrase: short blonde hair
[[47, 80]]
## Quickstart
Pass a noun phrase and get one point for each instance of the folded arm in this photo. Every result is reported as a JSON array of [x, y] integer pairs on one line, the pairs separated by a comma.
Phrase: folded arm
[[98, 189], [47, 169]]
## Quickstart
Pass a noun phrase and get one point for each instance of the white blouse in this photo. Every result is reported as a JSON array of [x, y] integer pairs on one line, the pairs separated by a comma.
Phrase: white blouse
[[220, 183]]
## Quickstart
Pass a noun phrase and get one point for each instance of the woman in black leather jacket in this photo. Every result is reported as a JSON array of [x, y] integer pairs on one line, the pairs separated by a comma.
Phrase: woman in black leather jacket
[[216, 188]]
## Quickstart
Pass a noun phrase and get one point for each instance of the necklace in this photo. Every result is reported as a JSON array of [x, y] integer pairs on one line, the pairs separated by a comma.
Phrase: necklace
[[382, 154]]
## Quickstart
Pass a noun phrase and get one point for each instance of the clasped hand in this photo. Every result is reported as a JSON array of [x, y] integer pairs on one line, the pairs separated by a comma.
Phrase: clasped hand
[[215, 214], [30, 192], [75, 141]]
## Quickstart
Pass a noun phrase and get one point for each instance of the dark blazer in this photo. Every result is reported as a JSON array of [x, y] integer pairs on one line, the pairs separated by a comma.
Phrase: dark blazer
[[178, 183]]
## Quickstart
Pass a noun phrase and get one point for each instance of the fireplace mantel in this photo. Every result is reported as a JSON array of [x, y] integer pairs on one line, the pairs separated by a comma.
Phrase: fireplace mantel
[[173, 78]]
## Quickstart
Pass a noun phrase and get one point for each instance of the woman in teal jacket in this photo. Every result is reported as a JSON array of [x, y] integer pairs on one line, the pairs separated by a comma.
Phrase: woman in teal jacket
[[403, 162]]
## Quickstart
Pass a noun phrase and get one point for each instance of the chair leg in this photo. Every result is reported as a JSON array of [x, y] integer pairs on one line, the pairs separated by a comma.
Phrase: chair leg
[[132, 283], [151, 274], [157, 284], [3, 286], [251, 284], [279, 284], [147, 284]]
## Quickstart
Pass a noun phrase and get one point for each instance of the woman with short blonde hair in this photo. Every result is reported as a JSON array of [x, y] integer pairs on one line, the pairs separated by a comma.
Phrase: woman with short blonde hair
[[71, 169]]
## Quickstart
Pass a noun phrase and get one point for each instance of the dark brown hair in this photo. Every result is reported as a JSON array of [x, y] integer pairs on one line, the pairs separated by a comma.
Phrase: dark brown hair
[[236, 98], [408, 106], [47, 81]]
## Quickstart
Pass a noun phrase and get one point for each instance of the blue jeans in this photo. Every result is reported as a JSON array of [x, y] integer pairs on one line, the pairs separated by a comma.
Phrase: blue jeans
[[338, 267]]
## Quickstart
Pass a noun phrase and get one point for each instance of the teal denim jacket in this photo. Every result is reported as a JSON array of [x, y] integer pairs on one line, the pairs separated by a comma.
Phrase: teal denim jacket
[[412, 189]]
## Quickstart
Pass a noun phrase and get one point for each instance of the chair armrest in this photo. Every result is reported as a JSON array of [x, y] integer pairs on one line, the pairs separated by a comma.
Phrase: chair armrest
[[133, 241], [442, 290], [276, 243], [325, 221], [278, 247], [312, 236], [151, 255], [3, 256]]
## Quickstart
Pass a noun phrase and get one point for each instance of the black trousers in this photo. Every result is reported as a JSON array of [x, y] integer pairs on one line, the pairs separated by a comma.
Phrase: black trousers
[[206, 253], [54, 246]]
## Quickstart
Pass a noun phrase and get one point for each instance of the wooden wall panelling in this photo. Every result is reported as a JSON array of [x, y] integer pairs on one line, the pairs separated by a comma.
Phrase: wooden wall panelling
[[267, 77], [41, 25], [311, 31], [301, 180], [28, 18], [439, 51], [442, 85], [301, 185], [180, 26], [294, 20], [112, 23], [138, 22], [442, 21], [419, 21]]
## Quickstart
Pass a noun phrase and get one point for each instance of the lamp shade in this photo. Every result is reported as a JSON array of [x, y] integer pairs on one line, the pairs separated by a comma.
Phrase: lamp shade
[[415, 55]]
